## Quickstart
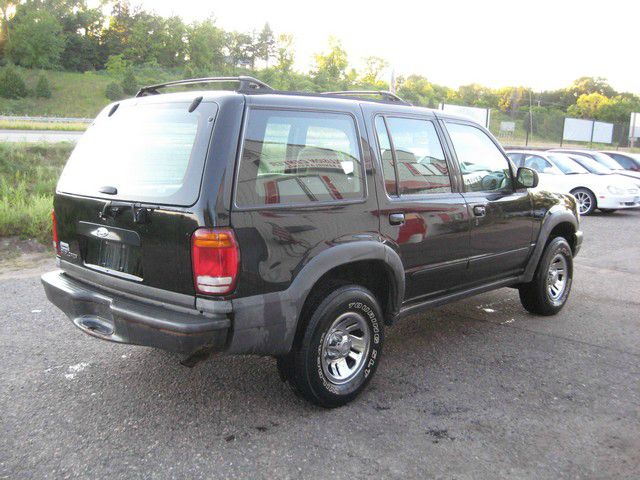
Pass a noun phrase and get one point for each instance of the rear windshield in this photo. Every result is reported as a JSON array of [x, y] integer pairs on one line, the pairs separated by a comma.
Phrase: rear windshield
[[148, 152]]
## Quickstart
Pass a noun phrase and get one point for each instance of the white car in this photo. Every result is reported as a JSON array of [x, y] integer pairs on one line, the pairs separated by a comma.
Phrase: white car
[[560, 173], [603, 158]]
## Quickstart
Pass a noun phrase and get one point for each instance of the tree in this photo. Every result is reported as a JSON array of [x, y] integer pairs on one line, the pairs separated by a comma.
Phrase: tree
[[6, 6], [35, 38], [205, 44], [284, 53], [374, 66], [241, 49], [419, 91], [43, 87], [129, 83], [588, 85], [588, 105], [114, 91], [510, 99], [265, 44], [331, 67], [11, 83]]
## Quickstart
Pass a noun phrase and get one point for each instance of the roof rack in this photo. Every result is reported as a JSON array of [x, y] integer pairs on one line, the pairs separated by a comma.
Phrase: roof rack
[[246, 84], [386, 95]]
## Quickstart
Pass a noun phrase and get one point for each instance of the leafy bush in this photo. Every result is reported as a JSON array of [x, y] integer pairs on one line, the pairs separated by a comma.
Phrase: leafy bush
[[11, 84], [28, 176], [114, 91], [43, 87], [129, 83]]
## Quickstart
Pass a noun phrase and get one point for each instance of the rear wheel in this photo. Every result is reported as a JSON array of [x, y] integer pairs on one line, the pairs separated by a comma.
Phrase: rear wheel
[[586, 201], [338, 352], [549, 290]]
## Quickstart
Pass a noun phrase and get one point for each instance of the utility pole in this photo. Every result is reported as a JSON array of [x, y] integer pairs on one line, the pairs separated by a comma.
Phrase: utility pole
[[530, 116]]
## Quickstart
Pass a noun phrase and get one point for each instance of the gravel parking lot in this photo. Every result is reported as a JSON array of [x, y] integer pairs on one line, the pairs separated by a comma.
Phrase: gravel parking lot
[[476, 389]]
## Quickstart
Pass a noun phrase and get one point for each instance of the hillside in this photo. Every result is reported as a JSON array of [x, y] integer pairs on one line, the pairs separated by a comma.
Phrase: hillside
[[73, 95]]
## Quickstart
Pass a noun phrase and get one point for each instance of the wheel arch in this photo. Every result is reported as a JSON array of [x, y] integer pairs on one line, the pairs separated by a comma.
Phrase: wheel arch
[[557, 222]]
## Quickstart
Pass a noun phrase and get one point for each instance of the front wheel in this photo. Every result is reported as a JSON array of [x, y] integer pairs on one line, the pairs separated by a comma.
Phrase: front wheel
[[549, 290], [586, 201], [338, 353]]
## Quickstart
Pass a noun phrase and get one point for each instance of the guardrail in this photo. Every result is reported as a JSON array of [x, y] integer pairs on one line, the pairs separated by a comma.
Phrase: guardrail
[[46, 119]]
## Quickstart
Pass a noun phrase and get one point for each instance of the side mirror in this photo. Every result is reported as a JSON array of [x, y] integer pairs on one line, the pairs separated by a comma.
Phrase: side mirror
[[527, 178]]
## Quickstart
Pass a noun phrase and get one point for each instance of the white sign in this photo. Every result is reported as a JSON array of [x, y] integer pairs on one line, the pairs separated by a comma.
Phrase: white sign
[[602, 132], [577, 130], [634, 126], [508, 127], [478, 115]]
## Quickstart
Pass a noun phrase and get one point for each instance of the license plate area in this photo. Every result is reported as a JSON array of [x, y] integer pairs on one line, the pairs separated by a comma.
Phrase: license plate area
[[111, 250], [115, 258]]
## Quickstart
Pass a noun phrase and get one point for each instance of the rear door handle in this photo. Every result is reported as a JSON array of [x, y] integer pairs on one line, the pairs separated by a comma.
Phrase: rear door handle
[[396, 218], [479, 210]]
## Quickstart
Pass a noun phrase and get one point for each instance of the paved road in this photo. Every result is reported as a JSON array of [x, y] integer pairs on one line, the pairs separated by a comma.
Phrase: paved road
[[38, 136], [477, 389]]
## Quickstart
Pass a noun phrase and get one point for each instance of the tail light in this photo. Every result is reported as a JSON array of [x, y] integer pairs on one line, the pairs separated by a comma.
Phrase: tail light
[[54, 227], [215, 258]]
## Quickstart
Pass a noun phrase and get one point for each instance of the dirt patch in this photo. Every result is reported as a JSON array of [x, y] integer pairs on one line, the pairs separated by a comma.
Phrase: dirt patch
[[20, 257]]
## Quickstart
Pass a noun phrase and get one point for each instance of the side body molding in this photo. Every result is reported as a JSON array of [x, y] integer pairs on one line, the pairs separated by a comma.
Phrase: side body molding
[[267, 324], [554, 217]]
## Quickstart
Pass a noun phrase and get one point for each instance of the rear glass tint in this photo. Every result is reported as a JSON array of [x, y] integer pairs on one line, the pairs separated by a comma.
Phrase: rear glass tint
[[148, 152], [299, 157]]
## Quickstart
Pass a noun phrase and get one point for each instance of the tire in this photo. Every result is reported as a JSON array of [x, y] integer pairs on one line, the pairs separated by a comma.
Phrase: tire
[[608, 210], [338, 352], [587, 202], [542, 297]]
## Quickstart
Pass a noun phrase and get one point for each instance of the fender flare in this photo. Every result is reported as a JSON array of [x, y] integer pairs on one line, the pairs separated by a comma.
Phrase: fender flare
[[554, 217], [343, 254], [267, 324]]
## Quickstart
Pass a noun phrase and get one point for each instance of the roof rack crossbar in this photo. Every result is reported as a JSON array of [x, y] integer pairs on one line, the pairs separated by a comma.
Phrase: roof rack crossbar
[[389, 96], [246, 84]]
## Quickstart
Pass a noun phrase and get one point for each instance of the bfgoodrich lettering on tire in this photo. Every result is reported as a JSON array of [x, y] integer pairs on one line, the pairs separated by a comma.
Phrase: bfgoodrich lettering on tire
[[338, 352]]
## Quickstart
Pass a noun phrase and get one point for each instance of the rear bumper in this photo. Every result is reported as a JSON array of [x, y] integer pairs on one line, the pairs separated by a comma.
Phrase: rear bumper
[[126, 319]]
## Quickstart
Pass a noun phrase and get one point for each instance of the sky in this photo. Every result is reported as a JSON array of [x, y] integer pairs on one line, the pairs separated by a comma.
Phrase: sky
[[541, 44]]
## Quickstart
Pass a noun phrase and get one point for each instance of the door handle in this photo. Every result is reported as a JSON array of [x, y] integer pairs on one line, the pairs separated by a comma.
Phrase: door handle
[[479, 210], [396, 218]]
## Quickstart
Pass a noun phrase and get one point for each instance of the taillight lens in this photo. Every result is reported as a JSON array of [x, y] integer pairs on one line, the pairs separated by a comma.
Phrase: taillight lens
[[54, 227], [215, 258]]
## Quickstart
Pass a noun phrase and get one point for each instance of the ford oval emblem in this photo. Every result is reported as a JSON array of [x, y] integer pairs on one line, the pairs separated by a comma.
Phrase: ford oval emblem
[[101, 232]]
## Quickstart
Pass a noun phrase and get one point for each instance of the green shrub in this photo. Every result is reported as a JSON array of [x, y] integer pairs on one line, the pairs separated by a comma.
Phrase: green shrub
[[114, 91], [12, 84], [28, 176], [129, 83], [43, 87]]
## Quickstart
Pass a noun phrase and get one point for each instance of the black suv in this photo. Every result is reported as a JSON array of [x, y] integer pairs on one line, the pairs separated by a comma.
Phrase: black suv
[[295, 225]]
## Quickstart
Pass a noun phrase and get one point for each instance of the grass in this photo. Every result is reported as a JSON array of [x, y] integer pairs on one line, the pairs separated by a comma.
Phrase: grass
[[26, 125], [28, 177], [79, 95]]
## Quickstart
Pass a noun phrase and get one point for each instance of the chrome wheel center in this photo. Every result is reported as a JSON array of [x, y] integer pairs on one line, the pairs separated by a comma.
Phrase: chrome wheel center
[[557, 277], [345, 347]]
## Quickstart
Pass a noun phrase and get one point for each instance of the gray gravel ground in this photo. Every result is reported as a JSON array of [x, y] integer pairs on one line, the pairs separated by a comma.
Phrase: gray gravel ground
[[476, 389]]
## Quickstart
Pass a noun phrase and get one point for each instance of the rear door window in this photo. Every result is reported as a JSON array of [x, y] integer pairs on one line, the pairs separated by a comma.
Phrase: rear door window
[[415, 151], [299, 157], [149, 152]]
